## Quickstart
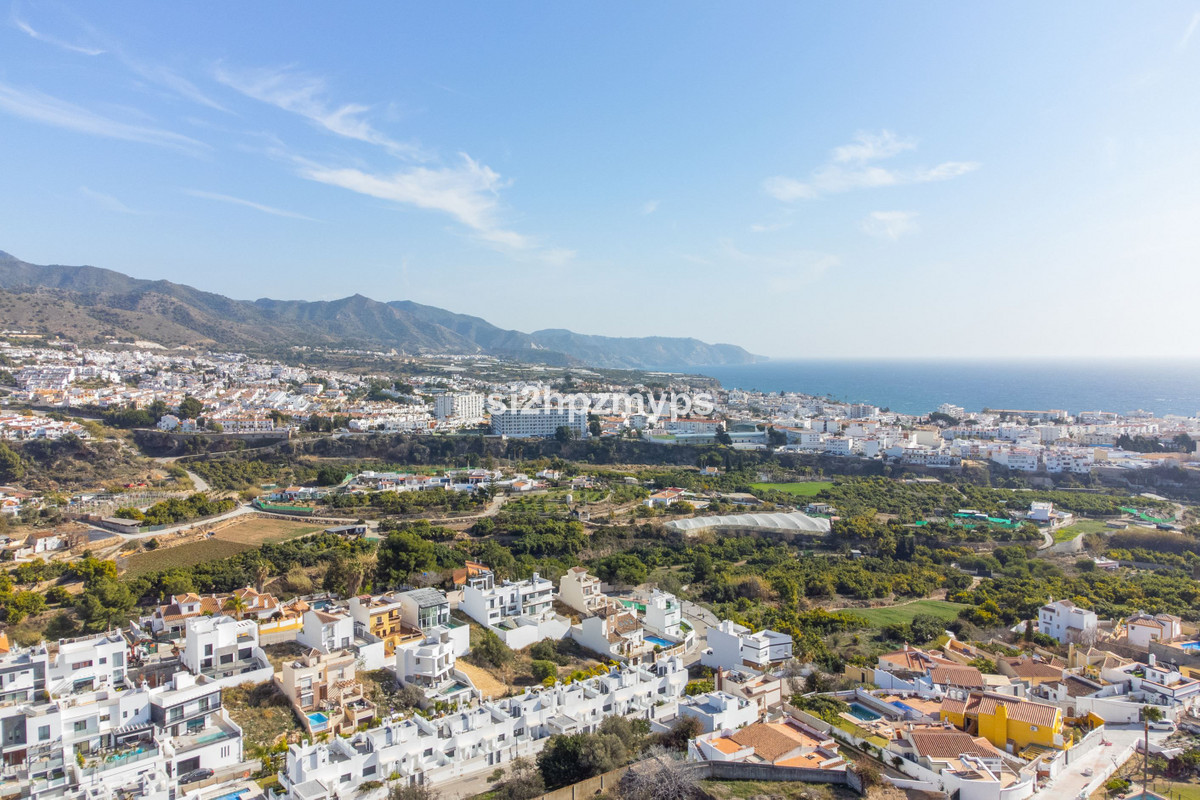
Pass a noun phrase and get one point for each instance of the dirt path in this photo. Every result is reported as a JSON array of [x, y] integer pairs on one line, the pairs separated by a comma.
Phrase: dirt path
[[483, 680]]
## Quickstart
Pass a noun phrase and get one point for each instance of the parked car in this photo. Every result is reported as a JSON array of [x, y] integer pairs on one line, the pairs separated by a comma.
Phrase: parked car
[[195, 775], [1162, 725]]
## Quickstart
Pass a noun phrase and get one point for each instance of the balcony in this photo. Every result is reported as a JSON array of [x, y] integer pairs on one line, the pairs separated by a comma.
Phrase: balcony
[[115, 759]]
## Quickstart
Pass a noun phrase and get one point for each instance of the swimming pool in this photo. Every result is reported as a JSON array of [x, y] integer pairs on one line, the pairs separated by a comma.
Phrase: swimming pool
[[318, 718], [211, 737], [457, 686], [1191, 647], [232, 795], [658, 640], [862, 712]]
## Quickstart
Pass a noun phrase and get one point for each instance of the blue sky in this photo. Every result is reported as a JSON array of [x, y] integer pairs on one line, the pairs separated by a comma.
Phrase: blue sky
[[933, 179]]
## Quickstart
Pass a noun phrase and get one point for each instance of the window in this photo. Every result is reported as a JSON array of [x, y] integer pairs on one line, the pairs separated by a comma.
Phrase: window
[[44, 733], [80, 725], [345, 778], [369, 771], [208, 649], [175, 714]]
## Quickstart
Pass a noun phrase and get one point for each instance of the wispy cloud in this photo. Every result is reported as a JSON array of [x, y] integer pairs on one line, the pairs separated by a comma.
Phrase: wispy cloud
[[872, 147], [237, 201], [1188, 32], [769, 227], [29, 30], [107, 201], [468, 191], [101, 45], [889, 224], [649, 207], [49, 110], [849, 168], [305, 95]]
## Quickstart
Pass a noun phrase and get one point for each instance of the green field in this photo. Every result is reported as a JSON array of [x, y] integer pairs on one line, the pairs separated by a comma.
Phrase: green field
[[1083, 526], [800, 489], [185, 555], [879, 617]]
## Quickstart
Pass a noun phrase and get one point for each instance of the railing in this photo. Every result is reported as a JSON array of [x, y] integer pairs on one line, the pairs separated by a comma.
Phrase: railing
[[118, 761]]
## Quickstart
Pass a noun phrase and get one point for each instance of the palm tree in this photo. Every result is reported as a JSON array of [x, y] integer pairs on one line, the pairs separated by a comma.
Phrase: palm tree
[[262, 573], [236, 604]]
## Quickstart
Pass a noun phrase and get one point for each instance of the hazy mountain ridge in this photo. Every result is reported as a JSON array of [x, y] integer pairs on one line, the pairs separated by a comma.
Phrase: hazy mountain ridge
[[91, 303]]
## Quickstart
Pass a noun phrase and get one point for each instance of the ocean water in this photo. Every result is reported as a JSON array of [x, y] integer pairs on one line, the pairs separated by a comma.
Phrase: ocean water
[[918, 387]]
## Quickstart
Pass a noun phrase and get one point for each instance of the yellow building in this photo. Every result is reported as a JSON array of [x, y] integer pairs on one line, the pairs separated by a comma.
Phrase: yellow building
[[382, 617], [1007, 722]]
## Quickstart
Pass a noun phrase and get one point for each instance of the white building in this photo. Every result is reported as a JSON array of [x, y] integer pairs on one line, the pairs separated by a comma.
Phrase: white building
[[87, 733], [225, 651], [731, 645], [664, 615], [524, 423], [1142, 629], [1067, 622], [581, 591], [460, 406], [520, 612], [719, 711], [477, 740]]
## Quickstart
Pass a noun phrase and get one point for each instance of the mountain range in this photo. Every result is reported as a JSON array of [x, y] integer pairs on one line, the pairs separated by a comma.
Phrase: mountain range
[[92, 305]]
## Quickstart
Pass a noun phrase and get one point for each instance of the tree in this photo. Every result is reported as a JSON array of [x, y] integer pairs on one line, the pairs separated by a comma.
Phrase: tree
[[190, 408], [329, 475], [524, 782], [593, 425], [658, 778], [237, 604], [11, 467], [926, 628], [490, 649], [399, 791], [564, 433], [105, 605], [345, 575], [403, 555], [543, 669], [683, 731], [1151, 714], [570, 758], [722, 437]]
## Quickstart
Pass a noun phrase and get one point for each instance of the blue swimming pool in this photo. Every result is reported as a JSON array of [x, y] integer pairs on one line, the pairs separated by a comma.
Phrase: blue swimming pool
[[1191, 647], [318, 718], [658, 640], [232, 795], [860, 711]]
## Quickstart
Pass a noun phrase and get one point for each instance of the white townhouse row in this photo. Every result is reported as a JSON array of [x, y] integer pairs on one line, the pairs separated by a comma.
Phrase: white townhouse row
[[477, 740]]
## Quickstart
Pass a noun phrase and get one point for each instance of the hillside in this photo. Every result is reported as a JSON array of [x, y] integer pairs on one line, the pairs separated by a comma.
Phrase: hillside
[[90, 304]]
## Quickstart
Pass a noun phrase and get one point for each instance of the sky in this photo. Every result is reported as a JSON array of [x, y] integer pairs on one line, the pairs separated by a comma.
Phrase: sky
[[804, 180]]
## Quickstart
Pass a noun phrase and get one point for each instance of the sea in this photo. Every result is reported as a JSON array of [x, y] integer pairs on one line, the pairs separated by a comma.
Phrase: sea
[[919, 387]]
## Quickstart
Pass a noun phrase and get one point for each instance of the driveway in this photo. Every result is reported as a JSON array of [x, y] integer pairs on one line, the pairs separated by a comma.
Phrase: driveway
[[1103, 761]]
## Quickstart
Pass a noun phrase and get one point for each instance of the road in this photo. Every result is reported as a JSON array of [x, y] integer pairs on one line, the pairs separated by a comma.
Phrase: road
[[1103, 761], [199, 483], [699, 618]]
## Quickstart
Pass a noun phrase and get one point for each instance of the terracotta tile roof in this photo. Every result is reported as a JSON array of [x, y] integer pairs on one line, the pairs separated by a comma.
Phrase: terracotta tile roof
[[1020, 710], [967, 677], [952, 705], [942, 744], [1029, 668], [914, 660], [770, 740], [725, 745]]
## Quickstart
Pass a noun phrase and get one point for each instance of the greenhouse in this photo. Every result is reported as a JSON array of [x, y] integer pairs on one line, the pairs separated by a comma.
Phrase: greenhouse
[[786, 522]]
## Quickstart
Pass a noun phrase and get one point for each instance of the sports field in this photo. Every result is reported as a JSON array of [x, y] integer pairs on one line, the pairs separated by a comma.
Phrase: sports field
[[943, 609], [800, 488]]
